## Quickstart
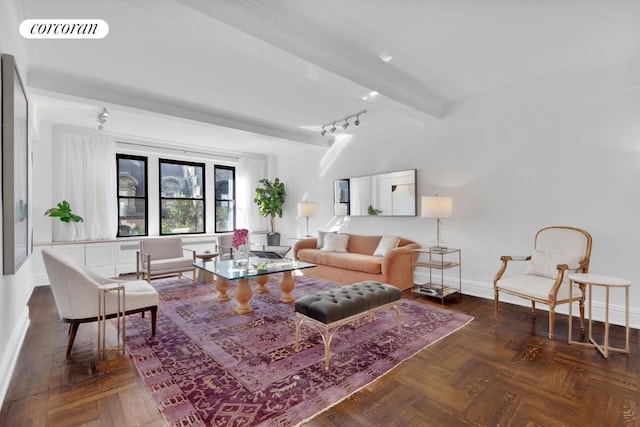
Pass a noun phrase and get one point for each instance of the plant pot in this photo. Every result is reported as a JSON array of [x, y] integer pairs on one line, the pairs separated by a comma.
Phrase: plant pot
[[64, 231], [273, 239]]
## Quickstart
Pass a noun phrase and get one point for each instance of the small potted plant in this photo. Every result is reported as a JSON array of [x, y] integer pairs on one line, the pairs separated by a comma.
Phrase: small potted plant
[[63, 212], [270, 200]]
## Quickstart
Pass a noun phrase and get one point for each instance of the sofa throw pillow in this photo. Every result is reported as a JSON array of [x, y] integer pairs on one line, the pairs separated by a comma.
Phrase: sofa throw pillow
[[320, 239], [334, 242], [544, 263], [386, 244]]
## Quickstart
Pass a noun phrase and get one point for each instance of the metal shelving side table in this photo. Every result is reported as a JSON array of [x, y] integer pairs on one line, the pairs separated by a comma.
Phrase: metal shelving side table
[[439, 260], [103, 291]]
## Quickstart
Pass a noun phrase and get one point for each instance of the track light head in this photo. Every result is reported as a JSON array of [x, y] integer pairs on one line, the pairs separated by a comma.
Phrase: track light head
[[344, 122], [102, 118]]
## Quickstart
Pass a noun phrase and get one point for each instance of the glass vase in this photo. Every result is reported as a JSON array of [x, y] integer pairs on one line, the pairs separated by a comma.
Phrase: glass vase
[[241, 256]]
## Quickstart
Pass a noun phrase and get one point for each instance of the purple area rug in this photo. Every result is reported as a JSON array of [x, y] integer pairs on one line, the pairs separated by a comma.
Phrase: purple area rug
[[208, 365]]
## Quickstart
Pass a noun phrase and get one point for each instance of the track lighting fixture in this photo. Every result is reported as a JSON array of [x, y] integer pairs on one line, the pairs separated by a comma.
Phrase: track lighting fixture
[[102, 118], [346, 123]]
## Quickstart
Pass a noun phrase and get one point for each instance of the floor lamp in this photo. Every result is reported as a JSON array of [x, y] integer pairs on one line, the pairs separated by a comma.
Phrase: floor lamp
[[437, 207], [306, 209]]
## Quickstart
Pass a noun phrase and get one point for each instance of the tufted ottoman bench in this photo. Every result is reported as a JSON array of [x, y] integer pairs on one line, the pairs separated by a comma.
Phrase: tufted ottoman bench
[[329, 310]]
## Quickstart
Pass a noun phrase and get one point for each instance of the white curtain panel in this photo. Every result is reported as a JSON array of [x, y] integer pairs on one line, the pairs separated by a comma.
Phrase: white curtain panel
[[85, 171], [360, 196], [249, 172]]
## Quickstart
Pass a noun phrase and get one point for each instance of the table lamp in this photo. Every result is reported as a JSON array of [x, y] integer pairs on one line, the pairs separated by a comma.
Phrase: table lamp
[[437, 207], [306, 209]]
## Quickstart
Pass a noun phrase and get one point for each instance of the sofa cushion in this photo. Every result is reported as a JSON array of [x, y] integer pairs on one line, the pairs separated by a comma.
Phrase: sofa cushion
[[335, 243], [386, 244], [348, 261], [320, 240]]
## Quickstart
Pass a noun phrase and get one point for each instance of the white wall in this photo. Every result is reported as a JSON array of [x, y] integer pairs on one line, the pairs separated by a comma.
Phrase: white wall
[[14, 290], [559, 151]]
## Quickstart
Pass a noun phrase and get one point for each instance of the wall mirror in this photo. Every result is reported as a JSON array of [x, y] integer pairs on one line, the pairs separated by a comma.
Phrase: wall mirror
[[386, 194]]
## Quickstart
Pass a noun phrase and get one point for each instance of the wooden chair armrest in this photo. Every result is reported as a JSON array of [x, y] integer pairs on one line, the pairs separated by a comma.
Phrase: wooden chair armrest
[[554, 289], [229, 248], [515, 258], [193, 253], [505, 260]]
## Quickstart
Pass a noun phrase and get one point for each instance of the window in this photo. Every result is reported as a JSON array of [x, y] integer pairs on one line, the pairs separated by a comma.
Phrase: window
[[132, 195], [225, 184], [181, 197]]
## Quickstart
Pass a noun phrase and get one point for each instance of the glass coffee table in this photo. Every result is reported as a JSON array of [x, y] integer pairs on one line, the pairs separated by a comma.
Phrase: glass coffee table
[[228, 271]]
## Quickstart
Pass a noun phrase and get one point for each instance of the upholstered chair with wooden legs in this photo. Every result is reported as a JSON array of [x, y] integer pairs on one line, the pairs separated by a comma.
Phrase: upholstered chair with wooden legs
[[75, 290], [557, 252], [164, 256], [225, 246]]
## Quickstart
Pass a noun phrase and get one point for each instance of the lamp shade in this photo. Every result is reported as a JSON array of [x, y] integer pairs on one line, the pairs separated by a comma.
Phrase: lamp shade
[[306, 209], [436, 207]]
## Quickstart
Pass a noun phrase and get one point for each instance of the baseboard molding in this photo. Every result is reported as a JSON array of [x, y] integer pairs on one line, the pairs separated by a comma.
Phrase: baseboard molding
[[485, 290], [11, 352]]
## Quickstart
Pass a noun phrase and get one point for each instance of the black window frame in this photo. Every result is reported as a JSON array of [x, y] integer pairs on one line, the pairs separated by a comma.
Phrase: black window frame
[[216, 199], [203, 198], [146, 191]]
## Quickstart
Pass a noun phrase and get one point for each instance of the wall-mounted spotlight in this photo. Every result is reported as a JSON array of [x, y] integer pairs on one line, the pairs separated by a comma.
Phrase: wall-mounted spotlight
[[102, 118], [346, 123]]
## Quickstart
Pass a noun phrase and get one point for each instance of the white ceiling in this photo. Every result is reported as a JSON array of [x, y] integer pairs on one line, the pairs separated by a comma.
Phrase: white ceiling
[[278, 69]]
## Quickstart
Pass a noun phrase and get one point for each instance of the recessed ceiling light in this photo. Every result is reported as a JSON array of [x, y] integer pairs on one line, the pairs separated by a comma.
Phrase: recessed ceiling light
[[371, 95], [386, 58]]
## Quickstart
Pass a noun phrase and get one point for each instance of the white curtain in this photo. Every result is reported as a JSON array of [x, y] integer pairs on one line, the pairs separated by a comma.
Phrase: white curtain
[[249, 172], [85, 171]]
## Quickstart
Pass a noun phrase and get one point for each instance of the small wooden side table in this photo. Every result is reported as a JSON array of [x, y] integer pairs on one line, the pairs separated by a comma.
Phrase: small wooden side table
[[103, 291], [606, 282], [203, 275]]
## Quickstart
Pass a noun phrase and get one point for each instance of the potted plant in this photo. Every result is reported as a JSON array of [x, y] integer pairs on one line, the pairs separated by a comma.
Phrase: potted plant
[[270, 199], [63, 212]]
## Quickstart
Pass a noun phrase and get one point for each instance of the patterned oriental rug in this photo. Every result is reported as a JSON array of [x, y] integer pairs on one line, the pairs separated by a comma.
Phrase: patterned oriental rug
[[208, 365]]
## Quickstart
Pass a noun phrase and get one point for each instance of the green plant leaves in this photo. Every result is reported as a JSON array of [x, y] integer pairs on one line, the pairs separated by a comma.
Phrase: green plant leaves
[[270, 199], [63, 211]]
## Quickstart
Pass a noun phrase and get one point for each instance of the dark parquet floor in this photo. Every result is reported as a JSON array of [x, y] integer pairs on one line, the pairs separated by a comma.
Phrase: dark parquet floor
[[508, 374]]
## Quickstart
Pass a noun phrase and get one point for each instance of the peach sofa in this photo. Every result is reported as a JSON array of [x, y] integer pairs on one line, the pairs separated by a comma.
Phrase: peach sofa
[[358, 263]]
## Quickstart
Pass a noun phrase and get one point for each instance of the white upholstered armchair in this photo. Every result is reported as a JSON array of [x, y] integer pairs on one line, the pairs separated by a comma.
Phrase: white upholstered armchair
[[163, 257], [557, 252], [225, 246], [75, 290]]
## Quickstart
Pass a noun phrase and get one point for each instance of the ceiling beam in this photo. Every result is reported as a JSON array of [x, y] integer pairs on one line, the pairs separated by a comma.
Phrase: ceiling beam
[[82, 87], [355, 65]]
